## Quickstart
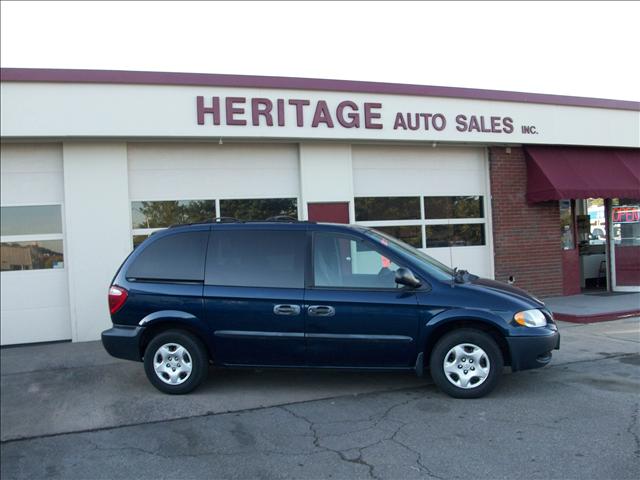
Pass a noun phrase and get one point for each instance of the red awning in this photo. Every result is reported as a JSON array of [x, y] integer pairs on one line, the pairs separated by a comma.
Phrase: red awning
[[557, 173]]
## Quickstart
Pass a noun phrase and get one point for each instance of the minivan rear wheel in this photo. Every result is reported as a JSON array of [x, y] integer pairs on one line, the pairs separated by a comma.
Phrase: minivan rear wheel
[[175, 362], [466, 363]]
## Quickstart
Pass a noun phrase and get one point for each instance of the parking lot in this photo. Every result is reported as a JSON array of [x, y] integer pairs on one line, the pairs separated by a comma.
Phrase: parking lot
[[70, 411]]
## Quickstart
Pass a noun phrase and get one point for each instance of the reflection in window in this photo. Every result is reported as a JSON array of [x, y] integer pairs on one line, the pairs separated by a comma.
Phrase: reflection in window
[[32, 255], [411, 234], [259, 209], [459, 235], [31, 220], [625, 214], [387, 208], [566, 225], [162, 214], [138, 239], [453, 207], [340, 261]]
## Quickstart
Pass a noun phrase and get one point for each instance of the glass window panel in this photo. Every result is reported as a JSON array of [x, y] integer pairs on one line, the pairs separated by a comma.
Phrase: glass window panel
[[387, 208], [408, 234], [453, 207], [259, 209], [36, 255], [462, 235], [32, 220], [256, 258], [566, 225], [467, 235], [171, 212], [438, 235], [346, 262], [179, 256], [138, 239]]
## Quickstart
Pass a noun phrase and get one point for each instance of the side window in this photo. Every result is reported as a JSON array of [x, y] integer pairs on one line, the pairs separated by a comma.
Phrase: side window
[[348, 262], [177, 257], [256, 258]]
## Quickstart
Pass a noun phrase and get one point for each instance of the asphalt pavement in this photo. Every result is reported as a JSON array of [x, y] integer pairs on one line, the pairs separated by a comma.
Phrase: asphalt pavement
[[577, 418]]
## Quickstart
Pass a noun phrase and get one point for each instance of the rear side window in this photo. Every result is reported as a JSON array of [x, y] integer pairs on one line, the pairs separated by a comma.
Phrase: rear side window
[[177, 257], [258, 258]]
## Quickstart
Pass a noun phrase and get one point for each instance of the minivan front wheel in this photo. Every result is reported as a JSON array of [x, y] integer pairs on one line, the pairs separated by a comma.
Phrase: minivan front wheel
[[466, 363], [175, 362]]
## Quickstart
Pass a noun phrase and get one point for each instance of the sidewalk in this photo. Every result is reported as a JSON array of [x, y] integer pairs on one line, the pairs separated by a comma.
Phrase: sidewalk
[[594, 307]]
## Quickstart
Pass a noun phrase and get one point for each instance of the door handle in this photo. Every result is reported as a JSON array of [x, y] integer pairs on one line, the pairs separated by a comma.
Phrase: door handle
[[321, 311], [286, 309]]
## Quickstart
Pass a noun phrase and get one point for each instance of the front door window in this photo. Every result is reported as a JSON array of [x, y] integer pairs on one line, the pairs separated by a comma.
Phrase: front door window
[[348, 262]]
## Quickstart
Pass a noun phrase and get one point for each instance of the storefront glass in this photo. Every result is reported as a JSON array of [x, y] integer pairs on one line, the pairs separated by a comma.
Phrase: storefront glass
[[625, 242]]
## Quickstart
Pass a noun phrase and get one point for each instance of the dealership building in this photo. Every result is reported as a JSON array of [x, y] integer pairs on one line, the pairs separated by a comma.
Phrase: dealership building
[[539, 190]]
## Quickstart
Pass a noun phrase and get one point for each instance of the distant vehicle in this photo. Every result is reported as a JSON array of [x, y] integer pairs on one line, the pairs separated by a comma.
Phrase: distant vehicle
[[303, 294]]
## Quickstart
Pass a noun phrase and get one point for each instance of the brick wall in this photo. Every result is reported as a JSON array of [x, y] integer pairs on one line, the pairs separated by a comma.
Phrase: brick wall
[[526, 237]]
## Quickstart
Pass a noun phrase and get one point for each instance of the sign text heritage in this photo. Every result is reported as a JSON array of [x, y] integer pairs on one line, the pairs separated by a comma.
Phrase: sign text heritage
[[257, 111]]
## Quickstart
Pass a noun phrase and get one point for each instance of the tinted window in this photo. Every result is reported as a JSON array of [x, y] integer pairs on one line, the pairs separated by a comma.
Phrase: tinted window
[[36, 255], [459, 235], [256, 258], [172, 212], [453, 207], [411, 234], [175, 257], [259, 209], [33, 220], [347, 262], [387, 208]]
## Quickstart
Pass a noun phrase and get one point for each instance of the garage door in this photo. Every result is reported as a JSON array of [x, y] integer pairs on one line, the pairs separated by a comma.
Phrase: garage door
[[435, 199], [173, 183], [34, 288]]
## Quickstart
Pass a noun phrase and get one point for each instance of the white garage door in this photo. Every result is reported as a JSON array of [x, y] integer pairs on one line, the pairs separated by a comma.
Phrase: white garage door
[[174, 183], [34, 288], [433, 198]]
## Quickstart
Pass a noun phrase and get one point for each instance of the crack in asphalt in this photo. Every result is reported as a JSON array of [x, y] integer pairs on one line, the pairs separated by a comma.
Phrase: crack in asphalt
[[376, 419]]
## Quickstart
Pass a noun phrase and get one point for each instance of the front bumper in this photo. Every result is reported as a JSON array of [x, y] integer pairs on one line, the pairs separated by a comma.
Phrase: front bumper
[[532, 351], [123, 342]]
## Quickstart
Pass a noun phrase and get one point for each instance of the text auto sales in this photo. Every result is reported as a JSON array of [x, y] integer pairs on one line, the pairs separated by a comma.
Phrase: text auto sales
[[347, 114]]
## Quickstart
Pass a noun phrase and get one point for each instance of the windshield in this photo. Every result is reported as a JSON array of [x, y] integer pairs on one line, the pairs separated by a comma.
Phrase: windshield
[[431, 265]]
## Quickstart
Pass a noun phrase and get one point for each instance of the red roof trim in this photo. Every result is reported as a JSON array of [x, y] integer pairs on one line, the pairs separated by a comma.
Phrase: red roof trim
[[250, 81]]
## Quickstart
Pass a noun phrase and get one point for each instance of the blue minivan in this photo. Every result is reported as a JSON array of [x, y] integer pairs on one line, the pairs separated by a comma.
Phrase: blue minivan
[[315, 295]]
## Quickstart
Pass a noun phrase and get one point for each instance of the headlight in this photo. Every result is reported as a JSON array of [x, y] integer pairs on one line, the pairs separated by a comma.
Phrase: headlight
[[530, 318]]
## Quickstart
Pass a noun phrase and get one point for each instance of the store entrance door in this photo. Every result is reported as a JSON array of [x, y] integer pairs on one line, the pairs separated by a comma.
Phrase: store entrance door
[[592, 244], [623, 215]]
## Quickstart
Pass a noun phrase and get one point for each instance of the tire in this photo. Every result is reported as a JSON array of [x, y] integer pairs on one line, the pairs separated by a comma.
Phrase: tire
[[184, 365], [472, 353]]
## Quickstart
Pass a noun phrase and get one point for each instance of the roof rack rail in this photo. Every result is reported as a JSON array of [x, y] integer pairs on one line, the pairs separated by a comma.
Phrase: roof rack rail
[[282, 218], [213, 220]]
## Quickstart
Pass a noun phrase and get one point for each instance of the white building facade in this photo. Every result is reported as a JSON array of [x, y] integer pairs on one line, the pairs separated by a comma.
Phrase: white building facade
[[93, 162]]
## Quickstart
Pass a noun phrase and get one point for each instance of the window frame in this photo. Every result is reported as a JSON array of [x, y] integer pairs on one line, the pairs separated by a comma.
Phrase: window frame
[[39, 236], [423, 222], [349, 236]]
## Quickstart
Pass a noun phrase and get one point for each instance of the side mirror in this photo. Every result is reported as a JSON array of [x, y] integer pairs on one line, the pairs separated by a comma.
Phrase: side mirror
[[404, 276]]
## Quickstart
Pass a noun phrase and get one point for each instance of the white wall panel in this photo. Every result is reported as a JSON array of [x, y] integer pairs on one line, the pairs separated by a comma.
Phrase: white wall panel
[[98, 229], [397, 170], [35, 306], [183, 171], [31, 173], [407, 170]]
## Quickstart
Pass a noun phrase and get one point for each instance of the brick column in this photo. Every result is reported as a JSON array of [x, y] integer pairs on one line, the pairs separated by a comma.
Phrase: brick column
[[526, 236]]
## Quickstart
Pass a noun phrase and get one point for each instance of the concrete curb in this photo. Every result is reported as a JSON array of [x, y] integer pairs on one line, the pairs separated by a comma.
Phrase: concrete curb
[[598, 317]]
